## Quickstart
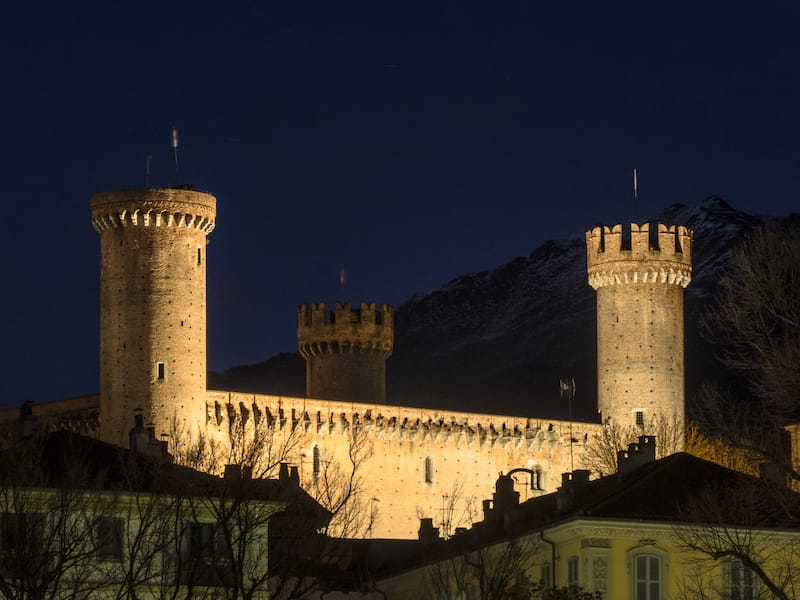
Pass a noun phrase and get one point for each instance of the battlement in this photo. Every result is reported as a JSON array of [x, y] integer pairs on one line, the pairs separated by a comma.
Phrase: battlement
[[168, 207], [368, 328], [638, 254], [328, 418]]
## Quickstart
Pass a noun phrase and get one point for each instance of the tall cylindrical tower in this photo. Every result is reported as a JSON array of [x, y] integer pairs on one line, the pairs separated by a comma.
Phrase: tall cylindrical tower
[[346, 350], [639, 277], [152, 308]]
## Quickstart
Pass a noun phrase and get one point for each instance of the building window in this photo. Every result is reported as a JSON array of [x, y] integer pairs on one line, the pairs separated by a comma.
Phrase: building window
[[647, 579], [199, 256], [428, 470], [201, 540], [160, 371], [547, 580], [108, 532], [639, 418], [209, 554], [537, 478], [207, 543], [15, 534], [572, 572], [740, 583], [316, 462], [547, 576]]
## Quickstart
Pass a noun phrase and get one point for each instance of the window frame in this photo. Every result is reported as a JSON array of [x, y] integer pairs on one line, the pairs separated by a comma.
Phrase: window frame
[[546, 576], [647, 548], [316, 461], [573, 572], [108, 539], [745, 590]]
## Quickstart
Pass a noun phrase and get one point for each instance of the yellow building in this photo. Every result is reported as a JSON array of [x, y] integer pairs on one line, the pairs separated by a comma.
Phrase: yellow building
[[678, 527], [83, 519]]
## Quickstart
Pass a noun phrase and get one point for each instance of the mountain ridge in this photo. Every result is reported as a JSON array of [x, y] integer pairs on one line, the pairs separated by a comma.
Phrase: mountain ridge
[[499, 340]]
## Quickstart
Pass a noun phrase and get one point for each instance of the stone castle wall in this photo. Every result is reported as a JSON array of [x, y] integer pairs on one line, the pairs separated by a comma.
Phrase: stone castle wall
[[639, 276], [152, 306], [80, 414], [420, 457]]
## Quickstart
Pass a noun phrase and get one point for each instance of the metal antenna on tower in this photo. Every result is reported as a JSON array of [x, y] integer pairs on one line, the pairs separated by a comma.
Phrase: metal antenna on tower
[[147, 170], [568, 390], [635, 189], [175, 146]]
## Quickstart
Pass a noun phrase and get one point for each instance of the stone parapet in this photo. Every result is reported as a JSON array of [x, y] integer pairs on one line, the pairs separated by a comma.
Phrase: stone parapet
[[380, 421], [615, 258], [153, 246], [368, 328], [169, 207], [418, 456]]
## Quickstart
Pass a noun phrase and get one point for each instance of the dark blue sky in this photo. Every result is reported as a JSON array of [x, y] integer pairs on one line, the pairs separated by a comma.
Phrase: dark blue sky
[[405, 143]]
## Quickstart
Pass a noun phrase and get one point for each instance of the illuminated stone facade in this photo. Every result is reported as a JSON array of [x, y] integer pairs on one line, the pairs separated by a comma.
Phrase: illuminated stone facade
[[425, 462], [152, 307], [346, 350], [639, 276]]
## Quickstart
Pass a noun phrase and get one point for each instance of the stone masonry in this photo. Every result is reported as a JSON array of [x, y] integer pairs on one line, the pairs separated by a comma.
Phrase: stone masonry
[[425, 462], [346, 350], [152, 307], [639, 276]]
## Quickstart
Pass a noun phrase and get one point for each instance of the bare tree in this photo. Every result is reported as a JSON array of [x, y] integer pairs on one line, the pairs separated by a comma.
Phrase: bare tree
[[600, 455], [299, 542], [46, 528], [755, 323], [503, 570], [747, 523], [489, 572], [457, 511], [755, 329], [260, 442], [339, 487]]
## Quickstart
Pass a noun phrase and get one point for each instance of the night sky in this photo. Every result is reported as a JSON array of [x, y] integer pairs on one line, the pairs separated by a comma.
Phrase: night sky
[[407, 144]]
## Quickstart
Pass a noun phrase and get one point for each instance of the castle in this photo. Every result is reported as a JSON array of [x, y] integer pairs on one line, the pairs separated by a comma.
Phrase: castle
[[423, 461]]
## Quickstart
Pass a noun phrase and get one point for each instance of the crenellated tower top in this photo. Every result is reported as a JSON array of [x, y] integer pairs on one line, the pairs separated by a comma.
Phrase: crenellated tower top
[[368, 328], [155, 207], [639, 255], [346, 350], [639, 275]]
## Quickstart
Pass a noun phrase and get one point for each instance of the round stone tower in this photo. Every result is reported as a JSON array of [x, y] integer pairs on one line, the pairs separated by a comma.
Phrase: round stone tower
[[639, 276], [152, 308], [346, 351]]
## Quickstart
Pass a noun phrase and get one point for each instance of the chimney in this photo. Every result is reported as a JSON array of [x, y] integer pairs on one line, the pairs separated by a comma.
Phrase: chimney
[[505, 498], [637, 454], [428, 534], [25, 425], [143, 439], [571, 485], [487, 510], [232, 473], [137, 436], [288, 475]]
